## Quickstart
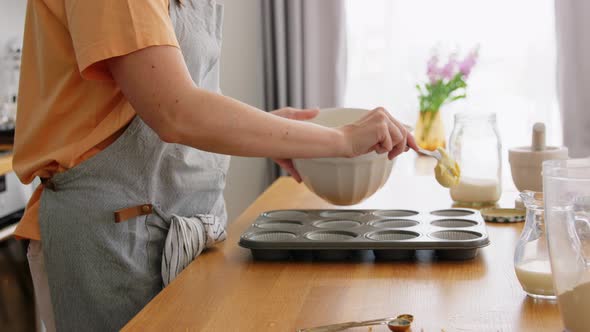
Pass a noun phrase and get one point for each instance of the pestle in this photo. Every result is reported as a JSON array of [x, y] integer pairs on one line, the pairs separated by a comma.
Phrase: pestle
[[526, 161], [538, 137]]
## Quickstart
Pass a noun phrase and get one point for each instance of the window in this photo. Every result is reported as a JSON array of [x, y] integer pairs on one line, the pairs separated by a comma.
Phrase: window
[[390, 42]]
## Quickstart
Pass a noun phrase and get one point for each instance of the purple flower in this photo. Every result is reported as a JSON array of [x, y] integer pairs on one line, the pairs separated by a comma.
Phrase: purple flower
[[434, 73], [448, 71], [467, 64]]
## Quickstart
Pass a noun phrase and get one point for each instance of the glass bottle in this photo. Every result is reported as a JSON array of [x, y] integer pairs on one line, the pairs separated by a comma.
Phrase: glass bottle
[[531, 256], [475, 145]]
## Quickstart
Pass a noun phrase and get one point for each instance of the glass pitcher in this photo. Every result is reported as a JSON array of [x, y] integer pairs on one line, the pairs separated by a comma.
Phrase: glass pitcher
[[531, 257], [566, 185]]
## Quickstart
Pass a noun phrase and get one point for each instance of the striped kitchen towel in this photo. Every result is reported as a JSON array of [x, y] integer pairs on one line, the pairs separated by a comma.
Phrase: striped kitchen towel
[[186, 239]]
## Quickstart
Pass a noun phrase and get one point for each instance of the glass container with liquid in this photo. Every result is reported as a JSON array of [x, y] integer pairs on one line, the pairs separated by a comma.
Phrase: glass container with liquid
[[475, 145], [566, 187], [531, 257]]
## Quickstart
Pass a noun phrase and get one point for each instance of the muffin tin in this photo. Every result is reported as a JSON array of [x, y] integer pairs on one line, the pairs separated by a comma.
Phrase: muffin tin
[[454, 234]]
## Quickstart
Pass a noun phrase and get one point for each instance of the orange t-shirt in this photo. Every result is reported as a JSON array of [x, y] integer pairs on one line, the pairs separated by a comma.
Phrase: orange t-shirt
[[69, 108]]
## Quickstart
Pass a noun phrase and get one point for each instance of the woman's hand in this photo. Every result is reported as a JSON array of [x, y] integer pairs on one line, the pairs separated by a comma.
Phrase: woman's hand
[[293, 114], [380, 132]]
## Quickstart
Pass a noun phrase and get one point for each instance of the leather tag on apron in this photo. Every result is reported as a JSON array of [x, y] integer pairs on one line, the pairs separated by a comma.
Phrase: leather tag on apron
[[132, 212]]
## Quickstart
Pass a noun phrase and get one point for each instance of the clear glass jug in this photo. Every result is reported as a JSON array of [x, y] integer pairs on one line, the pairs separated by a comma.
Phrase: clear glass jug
[[531, 256], [566, 186]]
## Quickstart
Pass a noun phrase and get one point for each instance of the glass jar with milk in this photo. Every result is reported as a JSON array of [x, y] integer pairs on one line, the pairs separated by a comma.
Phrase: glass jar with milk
[[475, 144], [531, 256], [566, 187]]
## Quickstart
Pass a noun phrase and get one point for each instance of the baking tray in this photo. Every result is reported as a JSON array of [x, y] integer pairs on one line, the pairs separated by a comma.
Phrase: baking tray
[[454, 234]]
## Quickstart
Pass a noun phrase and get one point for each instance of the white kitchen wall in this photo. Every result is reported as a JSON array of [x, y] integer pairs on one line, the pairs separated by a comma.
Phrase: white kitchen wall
[[12, 20], [241, 78]]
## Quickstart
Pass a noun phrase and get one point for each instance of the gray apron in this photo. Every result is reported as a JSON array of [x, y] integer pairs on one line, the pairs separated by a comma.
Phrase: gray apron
[[101, 272]]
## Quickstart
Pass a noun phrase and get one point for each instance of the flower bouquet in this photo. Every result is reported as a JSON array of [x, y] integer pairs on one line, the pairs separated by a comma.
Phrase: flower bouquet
[[446, 84]]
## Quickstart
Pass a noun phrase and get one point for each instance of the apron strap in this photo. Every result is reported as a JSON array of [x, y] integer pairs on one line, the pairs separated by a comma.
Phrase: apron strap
[[132, 212]]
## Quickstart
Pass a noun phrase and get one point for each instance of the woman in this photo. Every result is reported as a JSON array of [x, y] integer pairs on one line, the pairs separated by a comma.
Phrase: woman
[[121, 118]]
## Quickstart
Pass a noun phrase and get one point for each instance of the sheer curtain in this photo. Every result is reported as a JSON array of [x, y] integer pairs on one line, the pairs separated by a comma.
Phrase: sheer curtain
[[573, 41], [305, 53]]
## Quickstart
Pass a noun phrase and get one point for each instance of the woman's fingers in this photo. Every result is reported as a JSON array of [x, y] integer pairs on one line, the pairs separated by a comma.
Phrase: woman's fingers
[[304, 114], [386, 142], [373, 113], [406, 136], [297, 114], [407, 141], [393, 139], [287, 165], [399, 139], [412, 143], [378, 131]]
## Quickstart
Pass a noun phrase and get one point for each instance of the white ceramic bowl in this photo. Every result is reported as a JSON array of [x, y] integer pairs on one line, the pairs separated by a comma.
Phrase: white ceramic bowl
[[344, 181]]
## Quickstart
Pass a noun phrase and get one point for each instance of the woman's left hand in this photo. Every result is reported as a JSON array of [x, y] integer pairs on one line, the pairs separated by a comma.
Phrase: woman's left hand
[[293, 114]]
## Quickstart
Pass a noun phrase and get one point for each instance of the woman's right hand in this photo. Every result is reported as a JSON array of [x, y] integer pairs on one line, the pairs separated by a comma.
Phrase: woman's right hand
[[377, 131]]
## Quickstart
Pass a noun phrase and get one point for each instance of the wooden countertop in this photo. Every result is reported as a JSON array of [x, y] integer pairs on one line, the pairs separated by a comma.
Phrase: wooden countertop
[[225, 290], [5, 159], [5, 164]]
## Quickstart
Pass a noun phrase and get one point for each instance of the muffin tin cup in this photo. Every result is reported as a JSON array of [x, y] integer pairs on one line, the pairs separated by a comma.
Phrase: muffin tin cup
[[451, 213], [394, 223], [280, 224], [329, 235], [454, 223], [395, 213]]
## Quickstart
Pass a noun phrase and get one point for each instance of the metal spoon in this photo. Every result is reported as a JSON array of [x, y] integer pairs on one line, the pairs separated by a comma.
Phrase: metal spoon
[[435, 154], [446, 164], [347, 325]]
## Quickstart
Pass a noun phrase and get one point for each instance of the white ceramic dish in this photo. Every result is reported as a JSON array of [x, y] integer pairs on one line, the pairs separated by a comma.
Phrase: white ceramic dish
[[344, 181]]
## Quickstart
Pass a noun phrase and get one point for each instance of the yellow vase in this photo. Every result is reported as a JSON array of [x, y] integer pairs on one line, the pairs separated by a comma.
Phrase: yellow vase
[[430, 132]]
